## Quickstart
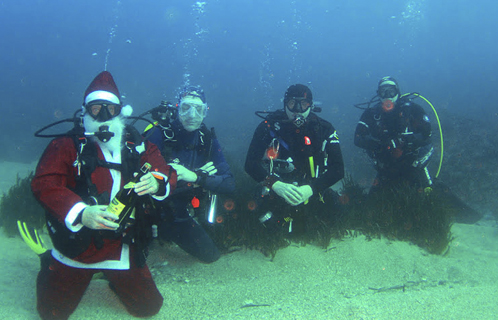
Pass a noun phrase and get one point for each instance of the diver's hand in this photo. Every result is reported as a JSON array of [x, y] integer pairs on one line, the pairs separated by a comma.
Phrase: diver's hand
[[148, 184], [98, 218], [306, 192], [184, 173], [203, 172], [209, 168], [289, 192]]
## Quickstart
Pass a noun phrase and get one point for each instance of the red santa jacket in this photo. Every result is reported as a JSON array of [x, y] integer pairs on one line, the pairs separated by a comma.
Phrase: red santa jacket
[[55, 178]]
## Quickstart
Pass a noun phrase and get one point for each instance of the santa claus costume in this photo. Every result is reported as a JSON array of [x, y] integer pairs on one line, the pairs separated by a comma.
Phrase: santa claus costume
[[65, 183]]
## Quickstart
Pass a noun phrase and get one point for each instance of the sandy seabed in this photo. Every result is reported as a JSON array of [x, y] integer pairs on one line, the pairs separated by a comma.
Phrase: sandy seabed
[[351, 279]]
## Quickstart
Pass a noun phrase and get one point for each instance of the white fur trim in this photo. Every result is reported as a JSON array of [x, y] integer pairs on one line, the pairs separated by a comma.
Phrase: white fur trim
[[115, 174], [73, 214], [165, 177], [141, 148], [102, 95], [127, 110], [122, 264]]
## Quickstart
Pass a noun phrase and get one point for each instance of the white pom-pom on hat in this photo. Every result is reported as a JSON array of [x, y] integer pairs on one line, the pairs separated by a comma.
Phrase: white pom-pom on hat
[[126, 111]]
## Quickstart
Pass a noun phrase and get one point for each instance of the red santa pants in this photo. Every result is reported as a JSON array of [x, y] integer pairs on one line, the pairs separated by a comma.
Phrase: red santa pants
[[60, 289]]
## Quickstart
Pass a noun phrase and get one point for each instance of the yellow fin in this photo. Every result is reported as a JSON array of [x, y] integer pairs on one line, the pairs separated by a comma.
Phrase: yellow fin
[[35, 244]]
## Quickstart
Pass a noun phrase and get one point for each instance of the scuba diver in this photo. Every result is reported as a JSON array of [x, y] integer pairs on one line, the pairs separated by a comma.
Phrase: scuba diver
[[76, 177], [396, 134], [195, 153], [296, 157]]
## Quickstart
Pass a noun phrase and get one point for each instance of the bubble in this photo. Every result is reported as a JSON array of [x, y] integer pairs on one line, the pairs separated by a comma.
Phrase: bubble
[[190, 45], [412, 16], [171, 15], [112, 32], [266, 78]]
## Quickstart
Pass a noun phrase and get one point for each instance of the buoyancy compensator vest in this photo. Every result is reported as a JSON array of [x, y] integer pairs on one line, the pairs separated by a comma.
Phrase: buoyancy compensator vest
[[71, 244]]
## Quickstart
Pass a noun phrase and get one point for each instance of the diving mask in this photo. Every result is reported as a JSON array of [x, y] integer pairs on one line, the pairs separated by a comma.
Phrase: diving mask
[[298, 105], [102, 110], [387, 92], [190, 109]]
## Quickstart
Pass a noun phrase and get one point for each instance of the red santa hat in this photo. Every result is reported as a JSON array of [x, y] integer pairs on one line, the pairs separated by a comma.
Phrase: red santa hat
[[104, 88]]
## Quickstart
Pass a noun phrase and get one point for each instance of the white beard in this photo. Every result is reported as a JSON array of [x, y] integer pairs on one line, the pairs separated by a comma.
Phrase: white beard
[[116, 126]]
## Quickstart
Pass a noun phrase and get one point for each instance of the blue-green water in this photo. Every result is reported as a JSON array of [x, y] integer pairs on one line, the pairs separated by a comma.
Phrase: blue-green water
[[245, 53]]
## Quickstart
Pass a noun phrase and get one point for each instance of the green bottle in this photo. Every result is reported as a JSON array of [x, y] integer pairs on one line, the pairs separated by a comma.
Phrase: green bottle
[[123, 204]]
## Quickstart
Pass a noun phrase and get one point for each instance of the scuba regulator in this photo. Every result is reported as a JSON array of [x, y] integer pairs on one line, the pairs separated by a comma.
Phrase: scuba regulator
[[164, 113]]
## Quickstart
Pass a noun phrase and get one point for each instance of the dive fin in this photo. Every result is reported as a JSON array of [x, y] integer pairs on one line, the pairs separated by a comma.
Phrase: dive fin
[[463, 212], [35, 244]]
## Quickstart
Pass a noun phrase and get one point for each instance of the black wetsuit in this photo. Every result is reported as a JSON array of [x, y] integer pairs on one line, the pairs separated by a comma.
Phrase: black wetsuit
[[316, 139], [399, 143]]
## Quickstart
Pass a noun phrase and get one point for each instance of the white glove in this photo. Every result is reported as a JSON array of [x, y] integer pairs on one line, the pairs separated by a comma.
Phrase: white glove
[[292, 194], [306, 192], [289, 192], [184, 173]]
